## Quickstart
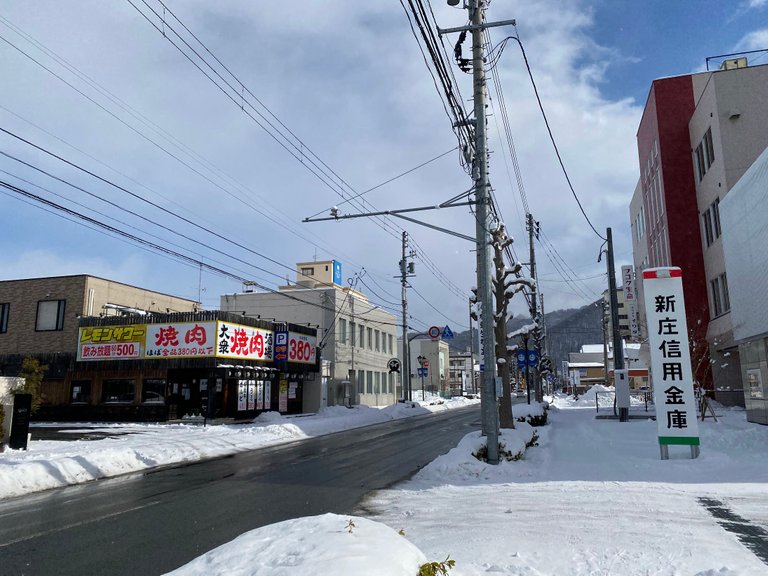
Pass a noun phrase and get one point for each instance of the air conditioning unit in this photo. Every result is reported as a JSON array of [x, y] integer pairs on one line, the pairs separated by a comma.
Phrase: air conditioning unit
[[734, 63]]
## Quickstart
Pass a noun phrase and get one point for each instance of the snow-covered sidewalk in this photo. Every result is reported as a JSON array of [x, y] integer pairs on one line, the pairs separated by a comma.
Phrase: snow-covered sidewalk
[[592, 499]]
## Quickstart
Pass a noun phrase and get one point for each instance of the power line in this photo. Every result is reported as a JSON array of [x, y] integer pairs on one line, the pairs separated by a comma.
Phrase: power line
[[552, 137], [300, 148]]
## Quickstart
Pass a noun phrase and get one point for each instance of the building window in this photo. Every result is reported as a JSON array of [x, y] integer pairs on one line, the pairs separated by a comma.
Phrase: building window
[[709, 149], [717, 305], [153, 391], [80, 392], [307, 271], [370, 338], [724, 292], [5, 310], [377, 383], [50, 315], [369, 378], [715, 209], [711, 222], [699, 162], [352, 328], [361, 343], [704, 155], [390, 340], [721, 301], [377, 337], [118, 390], [360, 382], [342, 331]]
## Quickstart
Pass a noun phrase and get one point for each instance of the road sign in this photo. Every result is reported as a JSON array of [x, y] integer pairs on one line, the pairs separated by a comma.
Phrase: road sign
[[281, 346], [394, 365], [522, 357], [434, 332], [425, 363], [422, 372], [447, 333], [533, 357]]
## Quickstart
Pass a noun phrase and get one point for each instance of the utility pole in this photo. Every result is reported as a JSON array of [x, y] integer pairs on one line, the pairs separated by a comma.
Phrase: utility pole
[[406, 270], [482, 236], [533, 232], [618, 349], [472, 349], [604, 322]]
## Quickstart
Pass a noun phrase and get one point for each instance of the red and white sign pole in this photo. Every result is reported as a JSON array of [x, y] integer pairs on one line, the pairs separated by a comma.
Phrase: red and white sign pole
[[671, 372]]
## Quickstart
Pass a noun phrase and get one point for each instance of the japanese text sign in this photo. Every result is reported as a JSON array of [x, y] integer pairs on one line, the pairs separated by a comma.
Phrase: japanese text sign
[[302, 348], [671, 371], [111, 342], [181, 340], [630, 297], [244, 342]]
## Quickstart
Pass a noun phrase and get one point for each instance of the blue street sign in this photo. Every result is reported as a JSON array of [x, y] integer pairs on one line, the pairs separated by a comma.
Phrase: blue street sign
[[422, 372], [447, 333], [522, 356], [533, 357]]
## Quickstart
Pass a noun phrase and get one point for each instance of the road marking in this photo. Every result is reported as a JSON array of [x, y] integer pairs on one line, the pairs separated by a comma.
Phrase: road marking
[[75, 524], [753, 537]]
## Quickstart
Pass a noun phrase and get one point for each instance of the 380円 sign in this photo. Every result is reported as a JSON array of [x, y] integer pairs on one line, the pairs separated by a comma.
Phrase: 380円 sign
[[302, 348]]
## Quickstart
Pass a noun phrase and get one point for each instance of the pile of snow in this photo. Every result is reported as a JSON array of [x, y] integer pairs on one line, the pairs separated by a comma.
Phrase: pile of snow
[[460, 466], [312, 546]]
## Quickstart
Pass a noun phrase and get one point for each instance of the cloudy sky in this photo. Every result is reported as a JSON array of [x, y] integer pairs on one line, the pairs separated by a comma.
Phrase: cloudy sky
[[102, 114]]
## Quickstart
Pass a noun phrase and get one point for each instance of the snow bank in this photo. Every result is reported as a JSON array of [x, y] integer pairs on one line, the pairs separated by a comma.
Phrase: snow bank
[[460, 467], [312, 546]]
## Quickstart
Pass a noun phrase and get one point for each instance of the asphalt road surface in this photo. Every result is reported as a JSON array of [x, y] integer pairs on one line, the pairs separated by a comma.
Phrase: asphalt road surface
[[155, 522]]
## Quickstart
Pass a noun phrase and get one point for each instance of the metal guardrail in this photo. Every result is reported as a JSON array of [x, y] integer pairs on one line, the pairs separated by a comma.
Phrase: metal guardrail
[[644, 394]]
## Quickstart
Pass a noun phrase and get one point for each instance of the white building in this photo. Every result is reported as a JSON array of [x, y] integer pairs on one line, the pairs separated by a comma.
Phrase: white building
[[356, 338], [744, 213]]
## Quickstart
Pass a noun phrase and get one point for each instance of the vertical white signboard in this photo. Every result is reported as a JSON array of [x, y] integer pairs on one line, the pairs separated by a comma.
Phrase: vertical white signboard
[[676, 414], [630, 297]]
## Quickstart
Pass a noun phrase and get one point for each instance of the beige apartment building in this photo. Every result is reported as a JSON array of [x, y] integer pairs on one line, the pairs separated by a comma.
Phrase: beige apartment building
[[356, 338]]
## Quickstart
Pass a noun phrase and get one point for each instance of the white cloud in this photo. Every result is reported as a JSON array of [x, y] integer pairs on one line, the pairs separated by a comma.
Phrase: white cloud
[[756, 40], [348, 79]]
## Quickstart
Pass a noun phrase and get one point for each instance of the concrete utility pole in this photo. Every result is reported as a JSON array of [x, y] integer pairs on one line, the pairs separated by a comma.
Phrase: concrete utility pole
[[472, 350], [618, 349], [532, 232], [482, 236], [406, 271]]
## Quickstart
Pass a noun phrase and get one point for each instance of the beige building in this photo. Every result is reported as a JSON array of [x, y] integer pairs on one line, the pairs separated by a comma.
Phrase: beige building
[[356, 338], [40, 315], [728, 131]]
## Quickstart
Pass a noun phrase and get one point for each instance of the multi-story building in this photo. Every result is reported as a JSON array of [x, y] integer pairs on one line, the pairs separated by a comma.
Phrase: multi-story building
[[744, 213], [698, 134], [357, 338], [41, 314]]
